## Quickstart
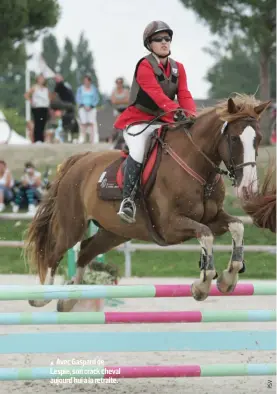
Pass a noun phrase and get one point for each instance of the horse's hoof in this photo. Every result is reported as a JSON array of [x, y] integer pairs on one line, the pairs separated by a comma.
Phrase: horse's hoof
[[197, 291], [227, 282], [65, 305], [38, 303], [243, 269]]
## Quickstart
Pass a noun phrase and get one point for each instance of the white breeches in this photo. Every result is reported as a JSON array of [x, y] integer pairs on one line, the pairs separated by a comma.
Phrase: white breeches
[[137, 143]]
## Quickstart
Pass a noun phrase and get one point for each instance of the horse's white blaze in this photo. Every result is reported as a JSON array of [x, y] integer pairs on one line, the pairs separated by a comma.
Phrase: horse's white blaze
[[249, 178]]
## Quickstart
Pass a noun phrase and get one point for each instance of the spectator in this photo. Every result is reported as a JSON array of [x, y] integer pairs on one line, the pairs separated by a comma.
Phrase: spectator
[[63, 99], [120, 97], [87, 99], [39, 96], [6, 185], [30, 188]]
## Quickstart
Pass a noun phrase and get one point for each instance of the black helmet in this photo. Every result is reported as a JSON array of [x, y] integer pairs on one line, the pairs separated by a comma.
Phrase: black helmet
[[153, 28]]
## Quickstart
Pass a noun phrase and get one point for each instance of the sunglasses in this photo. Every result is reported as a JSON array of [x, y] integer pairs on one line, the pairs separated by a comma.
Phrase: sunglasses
[[160, 39]]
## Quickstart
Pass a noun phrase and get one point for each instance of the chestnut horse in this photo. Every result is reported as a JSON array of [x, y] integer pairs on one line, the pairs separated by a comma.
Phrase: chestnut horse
[[186, 200]]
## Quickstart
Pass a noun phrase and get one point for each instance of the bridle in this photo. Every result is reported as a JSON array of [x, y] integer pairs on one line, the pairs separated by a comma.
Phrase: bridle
[[232, 167]]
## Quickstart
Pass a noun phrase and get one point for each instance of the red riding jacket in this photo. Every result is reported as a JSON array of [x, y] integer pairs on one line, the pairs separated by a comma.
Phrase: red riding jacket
[[147, 81]]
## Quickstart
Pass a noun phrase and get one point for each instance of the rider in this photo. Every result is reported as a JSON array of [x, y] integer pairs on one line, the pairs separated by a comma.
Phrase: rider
[[157, 79]]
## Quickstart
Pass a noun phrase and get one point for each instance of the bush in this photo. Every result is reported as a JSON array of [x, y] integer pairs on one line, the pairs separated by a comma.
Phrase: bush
[[16, 121]]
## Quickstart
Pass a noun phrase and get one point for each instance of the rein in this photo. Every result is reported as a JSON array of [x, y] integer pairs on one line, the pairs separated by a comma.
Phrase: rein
[[232, 167]]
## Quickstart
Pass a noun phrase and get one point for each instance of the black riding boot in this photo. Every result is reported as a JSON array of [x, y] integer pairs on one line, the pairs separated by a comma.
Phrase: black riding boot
[[127, 210]]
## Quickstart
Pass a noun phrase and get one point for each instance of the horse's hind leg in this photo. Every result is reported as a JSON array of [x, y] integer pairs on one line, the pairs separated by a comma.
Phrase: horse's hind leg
[[99, 243], [64, 242], [223, 222], [49, 280]]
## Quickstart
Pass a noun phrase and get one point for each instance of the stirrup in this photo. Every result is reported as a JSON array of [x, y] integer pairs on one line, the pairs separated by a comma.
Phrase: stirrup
[[124, 215]]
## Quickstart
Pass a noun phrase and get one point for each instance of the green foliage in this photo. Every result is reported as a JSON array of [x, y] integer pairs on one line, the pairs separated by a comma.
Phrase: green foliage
[[15, 120], [84, 60], [66, 62], [236, 69], [256, 19], [51, 51], [251, 19], [12, 81], [72, 62], [22, 20]]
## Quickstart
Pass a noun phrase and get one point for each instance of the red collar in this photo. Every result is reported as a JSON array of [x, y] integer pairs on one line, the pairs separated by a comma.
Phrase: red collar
[[166, 69]]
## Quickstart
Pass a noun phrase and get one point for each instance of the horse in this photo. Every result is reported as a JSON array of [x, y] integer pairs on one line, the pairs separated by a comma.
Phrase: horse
[[180, 196], [261, 205]]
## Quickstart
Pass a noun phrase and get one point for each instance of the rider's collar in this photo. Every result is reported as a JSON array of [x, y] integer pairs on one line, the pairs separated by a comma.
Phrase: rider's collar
[[158, 58]]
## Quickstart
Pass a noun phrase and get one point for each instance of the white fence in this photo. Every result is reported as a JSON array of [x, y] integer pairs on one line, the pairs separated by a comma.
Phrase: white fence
[[128, 247]]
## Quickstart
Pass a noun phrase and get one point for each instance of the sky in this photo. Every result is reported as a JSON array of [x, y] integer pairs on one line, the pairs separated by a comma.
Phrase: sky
[[114, 29]]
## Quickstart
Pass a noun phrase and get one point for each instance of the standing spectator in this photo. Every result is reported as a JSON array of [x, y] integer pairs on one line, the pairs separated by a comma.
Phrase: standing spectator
[[64, 99], [6, 184], [120, 97], [30, 188], [40, 100], [87, 99]]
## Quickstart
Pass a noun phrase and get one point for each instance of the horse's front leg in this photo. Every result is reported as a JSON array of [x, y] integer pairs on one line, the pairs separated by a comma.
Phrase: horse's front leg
[[223, 222], [184, 228]]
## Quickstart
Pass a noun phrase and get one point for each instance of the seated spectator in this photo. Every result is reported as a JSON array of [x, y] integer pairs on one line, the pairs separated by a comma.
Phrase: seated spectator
[[54, 127], [29, 189], [6, 185]]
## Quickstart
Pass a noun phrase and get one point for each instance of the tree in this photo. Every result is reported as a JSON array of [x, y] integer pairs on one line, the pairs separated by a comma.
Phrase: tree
[[254, 20], [12, 81], [236, 69], [84, 60], [24, 20], [51, 51], [67, 59]]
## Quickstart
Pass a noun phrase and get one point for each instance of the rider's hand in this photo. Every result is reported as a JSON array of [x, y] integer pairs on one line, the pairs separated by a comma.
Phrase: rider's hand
[[179, 115]]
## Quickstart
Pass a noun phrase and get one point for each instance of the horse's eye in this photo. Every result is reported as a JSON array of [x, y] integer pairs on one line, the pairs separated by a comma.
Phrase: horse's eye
[[235, 138]]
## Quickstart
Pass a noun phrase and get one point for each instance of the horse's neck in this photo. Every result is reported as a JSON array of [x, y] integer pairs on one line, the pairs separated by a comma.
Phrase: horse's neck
[[205, 135], [206, 132]]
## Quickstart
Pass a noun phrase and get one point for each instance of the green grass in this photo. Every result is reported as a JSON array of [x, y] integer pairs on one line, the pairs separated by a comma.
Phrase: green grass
[[159, 264], [16, 121]]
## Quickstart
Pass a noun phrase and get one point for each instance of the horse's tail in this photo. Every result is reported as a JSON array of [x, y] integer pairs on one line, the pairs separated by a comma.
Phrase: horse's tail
[[43, 231], [261, 206]]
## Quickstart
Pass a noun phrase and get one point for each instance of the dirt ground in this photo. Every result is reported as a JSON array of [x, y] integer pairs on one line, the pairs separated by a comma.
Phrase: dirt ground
[[209, 385]]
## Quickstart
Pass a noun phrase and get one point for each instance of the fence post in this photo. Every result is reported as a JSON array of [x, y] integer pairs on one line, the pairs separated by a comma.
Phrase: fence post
[[128, 259]]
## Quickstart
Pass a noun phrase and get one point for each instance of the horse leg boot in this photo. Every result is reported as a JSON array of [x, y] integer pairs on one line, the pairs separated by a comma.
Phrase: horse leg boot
[[223, 222], [188, 228], [200, 288], [227, 281], [127, 210]]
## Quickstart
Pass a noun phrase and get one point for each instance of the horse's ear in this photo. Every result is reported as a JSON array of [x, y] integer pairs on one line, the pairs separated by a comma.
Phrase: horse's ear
[[232, 109], [260, 108]]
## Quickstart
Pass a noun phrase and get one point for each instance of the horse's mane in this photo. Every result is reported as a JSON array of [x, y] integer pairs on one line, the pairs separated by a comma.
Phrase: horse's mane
[[244, 103]]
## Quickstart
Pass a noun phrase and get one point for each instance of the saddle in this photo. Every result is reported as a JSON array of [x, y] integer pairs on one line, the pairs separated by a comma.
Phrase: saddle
[[110, 184]]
